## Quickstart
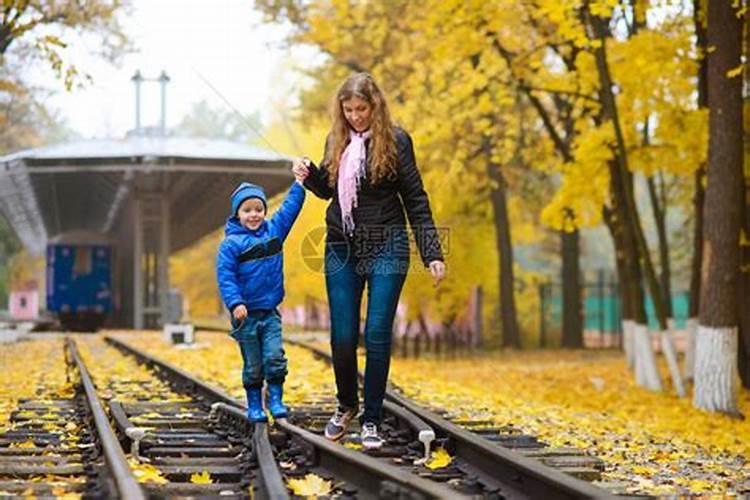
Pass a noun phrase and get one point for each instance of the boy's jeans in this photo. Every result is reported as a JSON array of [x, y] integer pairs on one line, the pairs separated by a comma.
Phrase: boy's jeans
[[384, 272], [259, 337]]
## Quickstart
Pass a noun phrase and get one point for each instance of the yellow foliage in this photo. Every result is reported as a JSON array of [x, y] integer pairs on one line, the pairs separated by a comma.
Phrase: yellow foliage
[[310, 486], [201, 478], [439, 459]]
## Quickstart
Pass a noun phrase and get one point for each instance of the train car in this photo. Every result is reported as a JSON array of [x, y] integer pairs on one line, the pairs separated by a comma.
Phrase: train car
[[79, 284]]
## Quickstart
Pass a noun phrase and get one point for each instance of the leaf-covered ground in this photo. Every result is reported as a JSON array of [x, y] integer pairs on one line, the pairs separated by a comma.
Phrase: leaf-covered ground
[[31, 370], [36, 370], [652, 443]]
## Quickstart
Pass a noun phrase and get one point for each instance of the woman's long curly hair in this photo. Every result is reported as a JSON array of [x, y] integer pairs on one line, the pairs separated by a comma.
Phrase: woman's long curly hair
[[382, 148]]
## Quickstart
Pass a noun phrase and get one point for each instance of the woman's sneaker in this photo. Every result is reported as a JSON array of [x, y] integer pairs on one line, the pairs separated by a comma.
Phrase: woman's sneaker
[[336, 427], [370, 438]]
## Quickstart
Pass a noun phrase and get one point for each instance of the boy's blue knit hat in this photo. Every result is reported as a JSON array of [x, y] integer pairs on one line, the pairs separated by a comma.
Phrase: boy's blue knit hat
[[245, 191]]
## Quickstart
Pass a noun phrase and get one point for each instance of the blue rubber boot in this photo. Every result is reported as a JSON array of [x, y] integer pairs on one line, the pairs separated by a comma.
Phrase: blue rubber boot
[[255, 411], [275, 405]]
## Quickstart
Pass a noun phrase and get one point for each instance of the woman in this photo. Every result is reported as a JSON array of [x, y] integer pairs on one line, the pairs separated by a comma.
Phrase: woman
[[370, 174]]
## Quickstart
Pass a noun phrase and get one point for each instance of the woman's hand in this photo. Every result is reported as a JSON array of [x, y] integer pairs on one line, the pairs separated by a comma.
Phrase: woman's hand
[[300, 169], [239, 312], [437, 269]]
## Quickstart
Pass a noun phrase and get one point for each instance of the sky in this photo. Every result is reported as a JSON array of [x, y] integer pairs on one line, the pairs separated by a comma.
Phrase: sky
[[223, 42]]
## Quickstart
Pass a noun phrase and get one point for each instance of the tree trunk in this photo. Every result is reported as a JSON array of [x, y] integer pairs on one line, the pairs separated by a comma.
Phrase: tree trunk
[[511, 334], [620, 170], [743, 358], [659, 208], [572, 335], [629, 275], [698, 197], [716, 353]]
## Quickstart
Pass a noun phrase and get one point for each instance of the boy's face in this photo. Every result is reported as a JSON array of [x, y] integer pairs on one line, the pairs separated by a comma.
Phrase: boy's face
[[251, 213]]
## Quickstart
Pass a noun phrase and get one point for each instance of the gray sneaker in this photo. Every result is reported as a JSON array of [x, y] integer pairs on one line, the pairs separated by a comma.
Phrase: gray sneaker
[[371, 440], [336, 427]]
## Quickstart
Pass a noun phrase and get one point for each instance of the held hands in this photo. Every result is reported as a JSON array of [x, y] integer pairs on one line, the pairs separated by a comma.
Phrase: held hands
[[240, 312], [437, 269], [300, 169]]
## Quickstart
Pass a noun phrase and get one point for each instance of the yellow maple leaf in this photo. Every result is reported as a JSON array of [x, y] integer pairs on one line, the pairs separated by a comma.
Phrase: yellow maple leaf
[[25, 444], [201, 478], [439, 459], [311, 485]]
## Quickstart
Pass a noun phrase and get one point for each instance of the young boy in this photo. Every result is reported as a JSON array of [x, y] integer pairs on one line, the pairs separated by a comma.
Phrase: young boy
[[249, 270]]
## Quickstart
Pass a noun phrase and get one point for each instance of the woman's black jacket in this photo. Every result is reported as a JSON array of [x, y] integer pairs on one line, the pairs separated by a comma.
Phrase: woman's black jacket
[[380, 207]]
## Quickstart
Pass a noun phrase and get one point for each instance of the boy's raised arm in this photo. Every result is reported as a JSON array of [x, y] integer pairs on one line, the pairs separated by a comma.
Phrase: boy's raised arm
[[226, 275], [289, 210]]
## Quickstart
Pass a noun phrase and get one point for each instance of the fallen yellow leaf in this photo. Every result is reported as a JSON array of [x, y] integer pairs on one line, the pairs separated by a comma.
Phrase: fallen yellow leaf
[[439, 459], [311, 485], [201, 478]]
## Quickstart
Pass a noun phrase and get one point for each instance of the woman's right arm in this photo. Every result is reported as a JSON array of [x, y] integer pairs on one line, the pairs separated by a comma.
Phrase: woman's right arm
[[317, 177], [317, 181]]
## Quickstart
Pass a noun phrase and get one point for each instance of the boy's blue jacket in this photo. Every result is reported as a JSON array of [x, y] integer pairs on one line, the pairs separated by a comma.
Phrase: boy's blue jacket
[[249, 265]]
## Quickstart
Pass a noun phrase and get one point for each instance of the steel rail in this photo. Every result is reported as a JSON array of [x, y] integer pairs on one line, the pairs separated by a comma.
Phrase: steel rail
[[125, 482], [370, 476], [269, 470], [376, 478], [521, 477]]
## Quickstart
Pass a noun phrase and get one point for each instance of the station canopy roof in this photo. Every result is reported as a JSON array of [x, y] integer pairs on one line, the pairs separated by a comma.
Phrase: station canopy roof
[[84, 185]]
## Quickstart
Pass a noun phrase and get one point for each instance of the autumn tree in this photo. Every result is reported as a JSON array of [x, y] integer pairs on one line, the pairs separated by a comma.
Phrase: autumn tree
[[38, 30], [437, 103], [716, 351], [743, 304]]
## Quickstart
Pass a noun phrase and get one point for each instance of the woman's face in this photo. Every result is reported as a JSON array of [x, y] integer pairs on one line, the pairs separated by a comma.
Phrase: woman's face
[[358, 113]]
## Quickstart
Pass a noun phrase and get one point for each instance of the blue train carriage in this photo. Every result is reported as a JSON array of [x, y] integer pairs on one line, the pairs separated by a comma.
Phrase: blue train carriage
[[79, 284]]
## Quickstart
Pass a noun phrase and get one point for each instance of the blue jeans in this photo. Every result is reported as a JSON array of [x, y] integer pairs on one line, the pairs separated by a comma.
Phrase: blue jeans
[[384, 272], [259, 338]]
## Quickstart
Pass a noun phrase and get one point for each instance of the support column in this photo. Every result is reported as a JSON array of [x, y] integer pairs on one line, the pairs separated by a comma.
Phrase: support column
[[137, 264], [163, 259], [151, 260]]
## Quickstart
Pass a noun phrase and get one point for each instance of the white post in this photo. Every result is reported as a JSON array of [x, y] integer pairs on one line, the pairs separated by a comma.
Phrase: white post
[[646, 358], [627, 342], [667, 346], [692, 327]]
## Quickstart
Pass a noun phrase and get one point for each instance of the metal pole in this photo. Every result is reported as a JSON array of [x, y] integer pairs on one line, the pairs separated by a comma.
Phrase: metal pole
[[163, 80], [602, 311], [137, 79], [542, 326]]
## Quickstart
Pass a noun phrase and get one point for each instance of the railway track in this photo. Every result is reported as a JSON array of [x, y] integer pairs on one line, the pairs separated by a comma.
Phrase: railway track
[[486, 461], [291, 452], [189, 438], [65, 446], [480, 468], [179, 445]]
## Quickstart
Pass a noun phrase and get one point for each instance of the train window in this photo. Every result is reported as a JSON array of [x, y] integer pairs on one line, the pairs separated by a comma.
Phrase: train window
[[83, 258]]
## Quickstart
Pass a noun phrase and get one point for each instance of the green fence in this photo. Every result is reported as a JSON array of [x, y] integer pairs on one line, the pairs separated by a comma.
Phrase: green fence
[[602, 311]]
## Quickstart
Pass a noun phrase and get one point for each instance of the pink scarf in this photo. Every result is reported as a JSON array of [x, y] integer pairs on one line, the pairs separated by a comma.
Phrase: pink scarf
[[352, 169]]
